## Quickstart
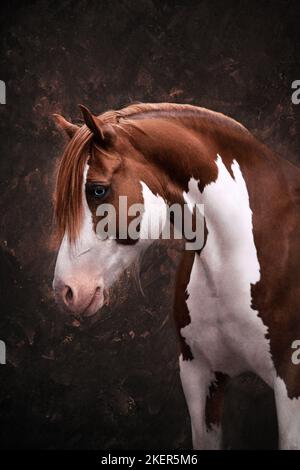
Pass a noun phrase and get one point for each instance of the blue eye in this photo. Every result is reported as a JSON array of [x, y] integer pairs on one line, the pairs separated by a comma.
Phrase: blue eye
[[99, 191], [96, 190]]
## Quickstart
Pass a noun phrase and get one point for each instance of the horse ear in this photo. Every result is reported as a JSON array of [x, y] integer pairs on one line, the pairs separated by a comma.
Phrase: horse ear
[[104, 133], [69, 128]]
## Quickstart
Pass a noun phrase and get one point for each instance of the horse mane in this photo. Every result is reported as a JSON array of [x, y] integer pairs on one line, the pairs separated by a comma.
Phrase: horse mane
[[68, 189], [170, 110]]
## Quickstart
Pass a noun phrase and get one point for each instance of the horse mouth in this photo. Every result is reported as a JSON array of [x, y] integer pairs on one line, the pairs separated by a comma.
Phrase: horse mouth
[[99, 299]]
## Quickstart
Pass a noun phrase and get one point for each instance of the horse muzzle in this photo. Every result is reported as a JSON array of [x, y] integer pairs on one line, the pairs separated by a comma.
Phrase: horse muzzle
[[79, 299]]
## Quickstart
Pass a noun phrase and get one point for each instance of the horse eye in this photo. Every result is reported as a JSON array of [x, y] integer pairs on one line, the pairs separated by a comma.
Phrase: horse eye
[[99, 191]]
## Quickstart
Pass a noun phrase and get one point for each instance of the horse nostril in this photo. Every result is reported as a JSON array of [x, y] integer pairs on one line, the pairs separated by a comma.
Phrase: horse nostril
[[68, 295]]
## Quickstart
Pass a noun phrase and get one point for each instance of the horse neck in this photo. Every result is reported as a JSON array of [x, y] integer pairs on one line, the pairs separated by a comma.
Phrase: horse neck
[[223, 167], [182, 149], [175, 153]]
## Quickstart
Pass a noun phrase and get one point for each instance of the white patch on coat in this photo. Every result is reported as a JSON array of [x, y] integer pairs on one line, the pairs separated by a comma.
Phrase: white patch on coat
[[224, 329], [288, 414], [196, 379], [154, 216], [225, 334]]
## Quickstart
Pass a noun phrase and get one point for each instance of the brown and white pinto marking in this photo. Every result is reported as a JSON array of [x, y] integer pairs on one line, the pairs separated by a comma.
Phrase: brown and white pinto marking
[[237, 299]]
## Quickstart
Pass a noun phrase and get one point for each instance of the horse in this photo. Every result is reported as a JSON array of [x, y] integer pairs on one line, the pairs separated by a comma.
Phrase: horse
[[236, 301]]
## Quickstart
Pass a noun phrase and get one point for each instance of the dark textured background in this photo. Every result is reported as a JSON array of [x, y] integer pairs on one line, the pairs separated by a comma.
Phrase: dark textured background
[[113, 383]]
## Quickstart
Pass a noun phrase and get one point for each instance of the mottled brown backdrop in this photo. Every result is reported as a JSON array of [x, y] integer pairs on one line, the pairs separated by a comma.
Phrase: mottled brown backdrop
[[113, 383]]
